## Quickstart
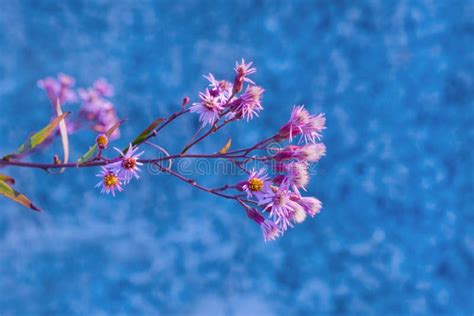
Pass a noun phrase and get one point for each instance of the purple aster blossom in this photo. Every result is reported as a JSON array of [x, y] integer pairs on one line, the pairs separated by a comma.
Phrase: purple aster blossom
[[304, 124], [221, 90], [296, 177], [103, 88], [270, 230], [98, 110], [242, 70], [110, 181], [249, 103], [280, 205], [299, 216], [257, 184], [59, 89], [208, 108], [310, 204], [127, 167], [309, 153]]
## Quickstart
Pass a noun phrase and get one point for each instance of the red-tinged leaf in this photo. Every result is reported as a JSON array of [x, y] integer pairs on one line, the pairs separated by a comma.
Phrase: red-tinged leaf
[[64, 134], [7, 179], [88, 155], [37, 138], [226, 147], [7, 191]]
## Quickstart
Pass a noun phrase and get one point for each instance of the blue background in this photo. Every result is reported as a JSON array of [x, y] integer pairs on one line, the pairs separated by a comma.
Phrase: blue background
[[396, 235]]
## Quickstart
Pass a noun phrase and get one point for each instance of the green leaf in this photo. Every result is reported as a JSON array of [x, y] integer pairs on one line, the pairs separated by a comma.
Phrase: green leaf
[[64, 135], [7, 179], [88, 155], [7, 191], [37, 138], [226, 147], [143, 135]]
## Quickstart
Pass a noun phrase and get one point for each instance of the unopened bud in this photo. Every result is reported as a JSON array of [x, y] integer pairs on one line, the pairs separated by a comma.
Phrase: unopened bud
[[56, 160], [238, 83], [185, 101], [102, 141]]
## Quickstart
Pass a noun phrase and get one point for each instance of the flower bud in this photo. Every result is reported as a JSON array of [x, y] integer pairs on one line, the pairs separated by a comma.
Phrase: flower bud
[[102, 141]]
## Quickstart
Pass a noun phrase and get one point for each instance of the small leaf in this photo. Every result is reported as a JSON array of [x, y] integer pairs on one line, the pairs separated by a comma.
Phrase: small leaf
[[64, 136], [226, 147], [143, 135], [7, 191], [88, 155], [37, 138], [7, 179]]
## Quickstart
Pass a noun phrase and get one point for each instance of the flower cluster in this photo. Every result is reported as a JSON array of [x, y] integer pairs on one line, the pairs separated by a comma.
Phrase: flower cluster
[[120, 172], [280, 196], [275, 190], [60, 88], [222, 98], [273, 195], [96, 110]]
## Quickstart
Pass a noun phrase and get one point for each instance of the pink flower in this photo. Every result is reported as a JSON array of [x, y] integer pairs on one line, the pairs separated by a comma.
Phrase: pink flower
[[299, 216], [249, 104], [242, 70], [127, 167], [59, 89], [221, 90], [98, 110], [270, 230], [208, 108], [103, 88], [309, 153], [257, 184], [281, 207], [296, 177], [311, 205], [110, 181], [304, 124]]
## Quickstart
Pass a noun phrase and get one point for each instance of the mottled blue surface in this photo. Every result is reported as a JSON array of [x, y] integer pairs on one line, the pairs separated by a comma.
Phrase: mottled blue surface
[[396, 235]]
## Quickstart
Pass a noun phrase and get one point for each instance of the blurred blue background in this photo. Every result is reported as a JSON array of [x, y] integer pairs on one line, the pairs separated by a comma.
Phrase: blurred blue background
[[396, 234]]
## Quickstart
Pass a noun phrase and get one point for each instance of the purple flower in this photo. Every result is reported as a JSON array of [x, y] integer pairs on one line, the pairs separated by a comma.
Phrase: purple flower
[[242, 70], [304, 124], [270, 230], [98, 110], [221, 90], [208, 108], [309, 153], [257, 184], [59, 89], [103, 88], [127, 167], [296, 177], [249, 103], [310, 204], [280, 205], [110, 181], [299, 216]]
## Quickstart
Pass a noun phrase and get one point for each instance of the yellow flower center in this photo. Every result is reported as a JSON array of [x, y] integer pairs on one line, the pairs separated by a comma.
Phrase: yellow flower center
[[129, 163], [110, 180], [255, 184]]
